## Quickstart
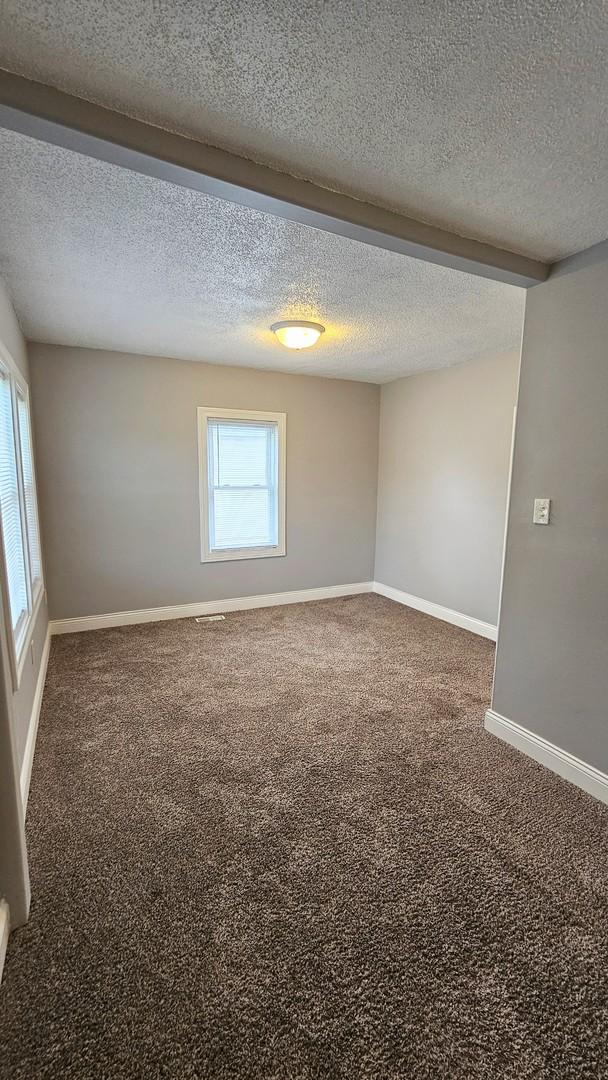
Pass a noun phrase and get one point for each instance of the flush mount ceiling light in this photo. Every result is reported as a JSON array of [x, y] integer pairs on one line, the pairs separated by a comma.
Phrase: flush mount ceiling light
[[296, 334]]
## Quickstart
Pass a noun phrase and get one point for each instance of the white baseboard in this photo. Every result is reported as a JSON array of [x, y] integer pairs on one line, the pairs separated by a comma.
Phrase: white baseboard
[[244, 603], [32, 731], [552, 757], [205, 607], [467, 622], [4, 928]]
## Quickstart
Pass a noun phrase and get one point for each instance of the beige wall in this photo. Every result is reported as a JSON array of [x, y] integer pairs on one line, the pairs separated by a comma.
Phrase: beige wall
[[118, 479], [445, 440], [552, 657]]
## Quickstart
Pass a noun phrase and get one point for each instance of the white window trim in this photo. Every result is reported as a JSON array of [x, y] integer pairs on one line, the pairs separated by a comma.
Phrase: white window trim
[[203, 415], [18, 644]]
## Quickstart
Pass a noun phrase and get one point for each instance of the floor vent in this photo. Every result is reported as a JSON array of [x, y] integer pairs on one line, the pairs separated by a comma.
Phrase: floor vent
[[210, 618]]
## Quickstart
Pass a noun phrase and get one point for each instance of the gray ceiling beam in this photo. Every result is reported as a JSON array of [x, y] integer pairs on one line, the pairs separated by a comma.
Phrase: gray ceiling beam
[[53, 116]]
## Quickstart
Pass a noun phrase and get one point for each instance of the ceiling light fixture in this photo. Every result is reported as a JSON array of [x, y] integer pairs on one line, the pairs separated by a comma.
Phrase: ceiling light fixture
[[296, 334]]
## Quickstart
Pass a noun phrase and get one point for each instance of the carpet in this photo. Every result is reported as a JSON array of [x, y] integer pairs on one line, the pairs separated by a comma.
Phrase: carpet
[[282, 846]]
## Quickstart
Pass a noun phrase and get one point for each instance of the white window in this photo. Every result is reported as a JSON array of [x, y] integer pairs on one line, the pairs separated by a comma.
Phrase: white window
[[242, 484], [22, 578]]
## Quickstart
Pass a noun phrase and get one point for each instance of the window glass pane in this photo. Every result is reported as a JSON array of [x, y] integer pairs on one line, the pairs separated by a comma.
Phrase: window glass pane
[[31, 511], [243, 480], [241, 452], [242, 518], [10, 509]]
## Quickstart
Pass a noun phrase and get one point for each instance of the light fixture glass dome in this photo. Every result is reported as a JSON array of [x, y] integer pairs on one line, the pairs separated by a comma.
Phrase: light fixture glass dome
[[296, 334]]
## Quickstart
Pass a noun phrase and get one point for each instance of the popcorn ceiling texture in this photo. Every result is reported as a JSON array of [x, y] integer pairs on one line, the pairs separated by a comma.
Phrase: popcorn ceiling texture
[[483, 117], [98, 256], [282, 847]]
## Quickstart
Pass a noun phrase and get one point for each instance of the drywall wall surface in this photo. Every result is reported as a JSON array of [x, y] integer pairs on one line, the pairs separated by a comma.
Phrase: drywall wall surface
[[118, 477], [10, 331], [14, 875], [445, 443], [552, 656], [13, 341]]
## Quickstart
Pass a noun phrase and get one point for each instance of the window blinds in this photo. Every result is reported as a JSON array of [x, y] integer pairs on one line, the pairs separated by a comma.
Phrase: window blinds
[[243, 467], [10, 506], [29, 490]]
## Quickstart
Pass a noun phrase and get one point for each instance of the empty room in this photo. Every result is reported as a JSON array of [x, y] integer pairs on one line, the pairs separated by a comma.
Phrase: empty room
[[303, 541]]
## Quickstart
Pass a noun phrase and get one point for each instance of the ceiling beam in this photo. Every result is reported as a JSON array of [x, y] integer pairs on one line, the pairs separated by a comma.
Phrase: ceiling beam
[[53, 116]]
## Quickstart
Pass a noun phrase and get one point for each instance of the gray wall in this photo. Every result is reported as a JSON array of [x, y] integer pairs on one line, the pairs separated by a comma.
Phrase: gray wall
[[12, 338], [118, 479], [445, 443], [552, 659], [14, 876]]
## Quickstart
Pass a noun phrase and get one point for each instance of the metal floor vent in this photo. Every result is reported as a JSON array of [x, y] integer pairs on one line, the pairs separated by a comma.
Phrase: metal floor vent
[[210, 618]]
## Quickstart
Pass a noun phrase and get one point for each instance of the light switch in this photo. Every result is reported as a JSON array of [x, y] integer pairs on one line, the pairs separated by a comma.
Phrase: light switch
[[542, 510]]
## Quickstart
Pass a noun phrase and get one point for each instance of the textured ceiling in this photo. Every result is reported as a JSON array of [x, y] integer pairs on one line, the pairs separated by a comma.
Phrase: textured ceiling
[[95, 255], [486, 117]]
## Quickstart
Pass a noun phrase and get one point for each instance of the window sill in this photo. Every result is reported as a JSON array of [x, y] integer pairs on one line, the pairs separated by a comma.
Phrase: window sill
[[242, 554]]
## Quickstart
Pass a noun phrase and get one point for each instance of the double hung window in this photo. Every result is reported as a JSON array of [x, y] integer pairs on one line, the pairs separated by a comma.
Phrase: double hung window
[[242, 482], [23, 583]]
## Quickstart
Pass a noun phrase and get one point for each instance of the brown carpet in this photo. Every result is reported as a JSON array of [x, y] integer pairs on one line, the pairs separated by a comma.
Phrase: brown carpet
[[282, 846]]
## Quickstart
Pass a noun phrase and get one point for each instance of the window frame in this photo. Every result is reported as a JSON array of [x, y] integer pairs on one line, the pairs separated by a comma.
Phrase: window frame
[[204, 414], [19, 642]]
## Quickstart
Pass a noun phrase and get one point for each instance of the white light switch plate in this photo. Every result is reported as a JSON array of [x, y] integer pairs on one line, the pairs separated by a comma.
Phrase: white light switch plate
[[542, 510]]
